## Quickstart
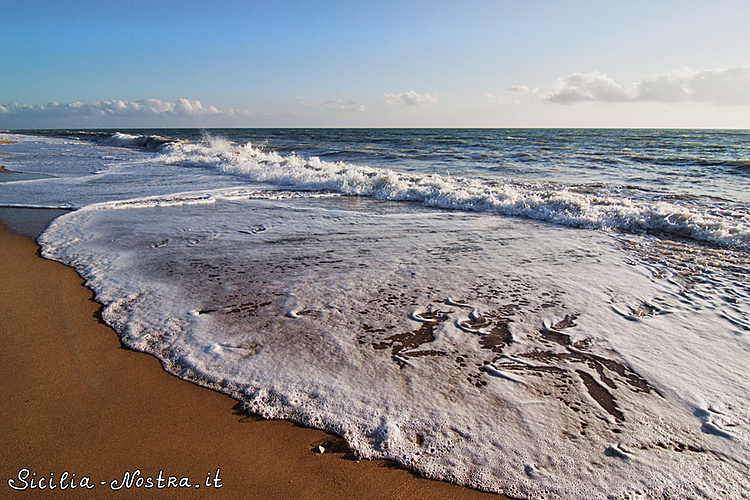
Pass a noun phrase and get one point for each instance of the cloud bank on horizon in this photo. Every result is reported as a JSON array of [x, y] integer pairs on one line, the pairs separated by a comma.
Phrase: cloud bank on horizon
[[109, 111], [729, 86], [715, 87]]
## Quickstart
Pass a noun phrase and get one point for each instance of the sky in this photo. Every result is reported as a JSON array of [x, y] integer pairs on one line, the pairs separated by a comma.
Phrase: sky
[[330, 63]]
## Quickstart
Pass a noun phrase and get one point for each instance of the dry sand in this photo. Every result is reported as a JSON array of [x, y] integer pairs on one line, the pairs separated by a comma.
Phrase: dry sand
[[74, 400]]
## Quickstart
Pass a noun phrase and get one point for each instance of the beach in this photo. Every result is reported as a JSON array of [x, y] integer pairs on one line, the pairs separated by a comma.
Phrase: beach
[[76, 401], [539, 313]]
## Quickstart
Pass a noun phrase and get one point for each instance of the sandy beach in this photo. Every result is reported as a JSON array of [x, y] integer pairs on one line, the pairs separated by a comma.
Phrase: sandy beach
[[546, 336], [76, 402]]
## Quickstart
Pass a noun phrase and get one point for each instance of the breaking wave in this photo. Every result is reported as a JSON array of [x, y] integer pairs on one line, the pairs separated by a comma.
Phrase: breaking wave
[[594, 206], [149, 142]]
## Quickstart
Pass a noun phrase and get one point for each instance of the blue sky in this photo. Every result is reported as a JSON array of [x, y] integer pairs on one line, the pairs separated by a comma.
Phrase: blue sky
[[333, 63]]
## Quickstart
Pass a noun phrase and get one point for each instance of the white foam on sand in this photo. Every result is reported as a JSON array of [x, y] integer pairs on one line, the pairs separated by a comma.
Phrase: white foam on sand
[[508, 355]]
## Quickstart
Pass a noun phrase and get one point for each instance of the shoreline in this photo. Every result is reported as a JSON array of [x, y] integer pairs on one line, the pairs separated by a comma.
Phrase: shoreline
[[76, 401]]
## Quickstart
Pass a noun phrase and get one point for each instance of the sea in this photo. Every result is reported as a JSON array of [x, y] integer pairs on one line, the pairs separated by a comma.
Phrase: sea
[[546, 313]]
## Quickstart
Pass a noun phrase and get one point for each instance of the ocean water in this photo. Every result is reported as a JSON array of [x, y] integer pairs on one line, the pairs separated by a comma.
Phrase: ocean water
[[544, 313]]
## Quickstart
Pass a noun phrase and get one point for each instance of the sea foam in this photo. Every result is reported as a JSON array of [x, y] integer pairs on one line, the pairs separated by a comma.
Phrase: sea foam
[[585, 206], [149, 142], [507, 355]]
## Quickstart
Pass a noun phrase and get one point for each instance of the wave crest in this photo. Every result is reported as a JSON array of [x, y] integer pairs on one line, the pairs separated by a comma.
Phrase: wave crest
[[594, 206], [149, 142]]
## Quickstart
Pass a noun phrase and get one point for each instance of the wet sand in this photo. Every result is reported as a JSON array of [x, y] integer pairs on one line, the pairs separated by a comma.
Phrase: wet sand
[[75, 401], [4, 153]]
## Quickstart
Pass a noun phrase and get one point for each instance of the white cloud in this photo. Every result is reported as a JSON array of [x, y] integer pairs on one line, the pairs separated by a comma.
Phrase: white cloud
[[719, 86], [580, 87], [520, 89], [729, 86], [411, 98], [101, 111], [334, 105], [518, 95], [341, 105]]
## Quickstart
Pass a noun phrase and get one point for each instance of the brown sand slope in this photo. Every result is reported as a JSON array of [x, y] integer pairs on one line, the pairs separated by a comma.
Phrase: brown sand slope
[[73, 400]]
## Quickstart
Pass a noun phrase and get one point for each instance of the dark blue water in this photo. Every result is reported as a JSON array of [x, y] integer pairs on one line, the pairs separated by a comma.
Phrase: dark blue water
[[712, 163]]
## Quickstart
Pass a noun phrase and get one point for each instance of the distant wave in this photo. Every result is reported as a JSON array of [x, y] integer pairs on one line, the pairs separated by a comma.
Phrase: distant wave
[[149, 142], [738, 164], [586, 206]]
